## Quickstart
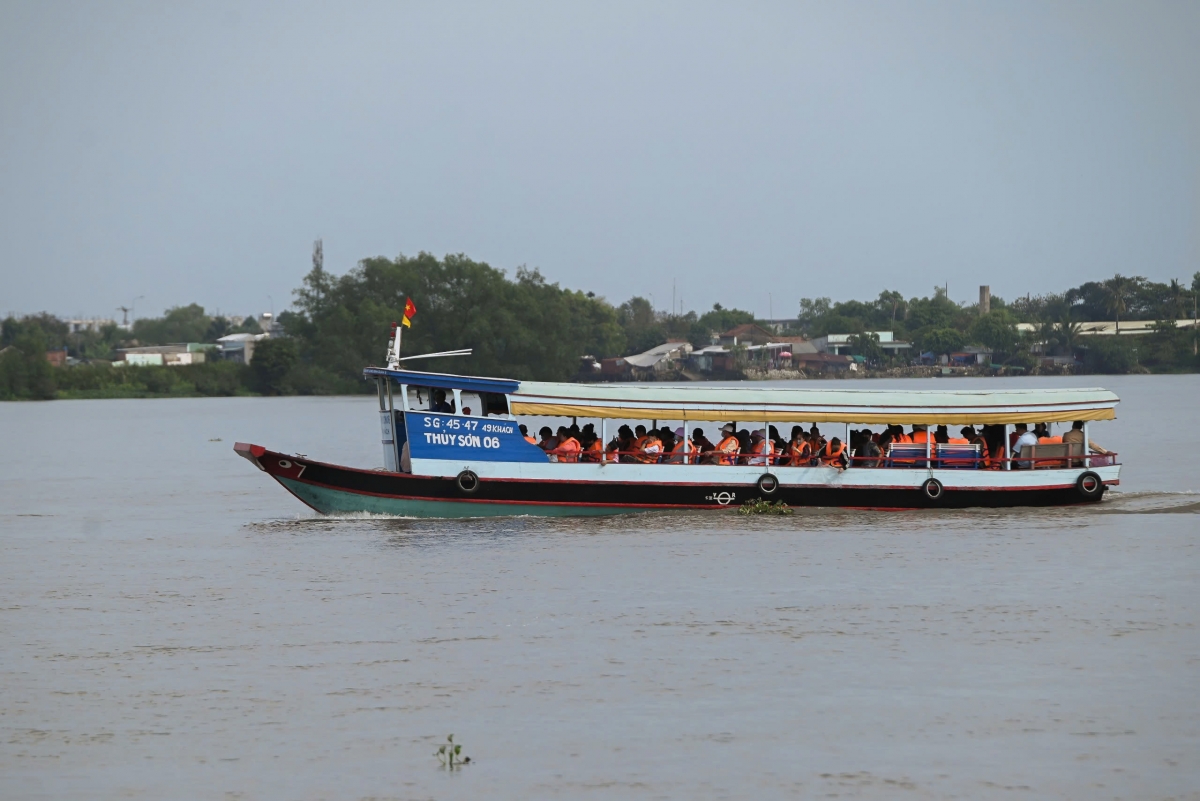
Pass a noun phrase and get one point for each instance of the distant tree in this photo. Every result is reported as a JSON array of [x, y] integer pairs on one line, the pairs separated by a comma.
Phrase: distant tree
[[180, 324], [1118, 290], [24, 371], [942, 340], [867, 345], [997, 330], [273, 360]]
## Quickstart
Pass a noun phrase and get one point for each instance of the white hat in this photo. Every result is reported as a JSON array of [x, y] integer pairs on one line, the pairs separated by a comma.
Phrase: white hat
[[727, 428]]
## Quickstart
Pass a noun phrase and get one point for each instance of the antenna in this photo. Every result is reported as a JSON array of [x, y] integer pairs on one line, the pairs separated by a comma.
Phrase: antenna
[[459, 352], [125, 310]]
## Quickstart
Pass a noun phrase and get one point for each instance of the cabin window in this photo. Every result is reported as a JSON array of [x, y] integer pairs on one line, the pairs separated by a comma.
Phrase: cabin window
[[495, 404], [472, 403], [430, 399]]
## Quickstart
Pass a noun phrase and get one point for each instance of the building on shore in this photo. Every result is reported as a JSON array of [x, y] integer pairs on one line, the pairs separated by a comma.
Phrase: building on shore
[[839, 344], [239, 347], [172, 355]]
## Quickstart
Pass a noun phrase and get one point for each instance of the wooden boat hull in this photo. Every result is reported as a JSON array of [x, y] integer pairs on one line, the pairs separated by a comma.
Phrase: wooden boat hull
[[615, 489]]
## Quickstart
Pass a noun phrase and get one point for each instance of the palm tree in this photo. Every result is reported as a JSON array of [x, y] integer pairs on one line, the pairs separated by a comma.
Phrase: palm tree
[[1068, 330], [1119, 288], [1176, 298]]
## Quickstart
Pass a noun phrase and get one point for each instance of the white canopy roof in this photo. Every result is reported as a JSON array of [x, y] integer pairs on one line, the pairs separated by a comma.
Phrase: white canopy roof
[[754, 404]]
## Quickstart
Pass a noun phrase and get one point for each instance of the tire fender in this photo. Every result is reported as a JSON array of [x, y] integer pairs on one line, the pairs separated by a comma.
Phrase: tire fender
[[467, 482], [1089, 485], [768, 484], [933, 489]]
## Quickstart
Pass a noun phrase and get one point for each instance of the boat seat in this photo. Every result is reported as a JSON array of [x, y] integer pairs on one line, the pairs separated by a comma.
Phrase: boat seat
[[906, 455], [957, 457], [1053, 452]]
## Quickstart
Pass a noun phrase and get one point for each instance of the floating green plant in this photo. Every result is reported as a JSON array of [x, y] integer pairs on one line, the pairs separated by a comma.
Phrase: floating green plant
[[760, 506]]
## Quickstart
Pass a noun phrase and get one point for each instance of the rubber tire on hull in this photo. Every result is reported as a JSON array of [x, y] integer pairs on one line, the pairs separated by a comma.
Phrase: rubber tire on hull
[[768, 484], [933, 489], [467, 482], [1089, 486]]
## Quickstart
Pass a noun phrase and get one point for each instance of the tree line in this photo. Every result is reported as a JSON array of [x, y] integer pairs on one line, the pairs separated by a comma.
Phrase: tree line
[[528, 328]]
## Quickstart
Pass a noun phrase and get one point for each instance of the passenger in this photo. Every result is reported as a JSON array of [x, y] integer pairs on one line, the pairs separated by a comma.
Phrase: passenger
[[885, 444], [744, 446], [778, 446], [728, 448], [1025, 440], [593, 448], [834, 454], [867, 451], [628, 440], [1076, 435], [548, 443], [761, 449], [900, 437], [703, 445], [525, 433], [977, 439], [683, 451], [994, 436], [964, 436], [799, 453], [920, 434], [815, 439], [650, 449], [667, 437], [437, 403], [568, 449], [941, 435]]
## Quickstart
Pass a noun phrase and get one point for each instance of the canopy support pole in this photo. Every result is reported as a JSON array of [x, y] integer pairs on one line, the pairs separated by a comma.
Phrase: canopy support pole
[[1008, 447], [1087, 446], [604, 440]]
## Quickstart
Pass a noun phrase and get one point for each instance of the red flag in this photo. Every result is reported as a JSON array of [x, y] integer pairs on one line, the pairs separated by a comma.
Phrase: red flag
[[410, 309]]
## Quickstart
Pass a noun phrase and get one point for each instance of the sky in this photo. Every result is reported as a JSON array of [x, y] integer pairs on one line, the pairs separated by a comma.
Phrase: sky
[[747, 154]]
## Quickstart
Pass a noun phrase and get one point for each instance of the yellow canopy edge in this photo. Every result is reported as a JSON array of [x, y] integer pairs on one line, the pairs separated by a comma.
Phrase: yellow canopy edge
[[751, 416]]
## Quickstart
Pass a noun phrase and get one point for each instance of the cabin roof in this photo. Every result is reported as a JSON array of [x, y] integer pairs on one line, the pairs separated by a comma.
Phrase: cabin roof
[[778, 404], [446, 380], [769, 404]]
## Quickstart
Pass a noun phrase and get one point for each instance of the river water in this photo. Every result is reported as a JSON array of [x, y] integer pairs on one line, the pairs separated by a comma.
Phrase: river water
[[175, 625]]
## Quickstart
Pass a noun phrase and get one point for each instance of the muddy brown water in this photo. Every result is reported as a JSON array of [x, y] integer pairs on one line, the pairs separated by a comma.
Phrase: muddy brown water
[[175, 625]]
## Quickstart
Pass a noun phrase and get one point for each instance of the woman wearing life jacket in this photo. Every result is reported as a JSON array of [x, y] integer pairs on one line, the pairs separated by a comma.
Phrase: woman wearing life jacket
[[650, 450], [760, 449], [593, 451], [684, 451], [568, 447], [727, 449], [834, 454], [799, 452]]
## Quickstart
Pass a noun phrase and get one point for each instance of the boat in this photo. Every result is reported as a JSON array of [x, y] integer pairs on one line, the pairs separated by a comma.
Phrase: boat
[[469, 458]]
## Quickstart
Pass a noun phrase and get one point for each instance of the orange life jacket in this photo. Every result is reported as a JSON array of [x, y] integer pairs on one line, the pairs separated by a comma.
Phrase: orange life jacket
[[530, 440], [649, 449], [568, 450], [919, 437], [996, 462], [762, 452], [958, 441], [593, 452], [829, 456], [799, 453], [1049, 440], [728, 450], [903, 439], [679, 456]]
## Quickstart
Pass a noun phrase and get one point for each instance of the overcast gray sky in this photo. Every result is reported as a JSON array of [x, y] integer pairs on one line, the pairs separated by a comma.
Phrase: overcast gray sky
[[747, 151]]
